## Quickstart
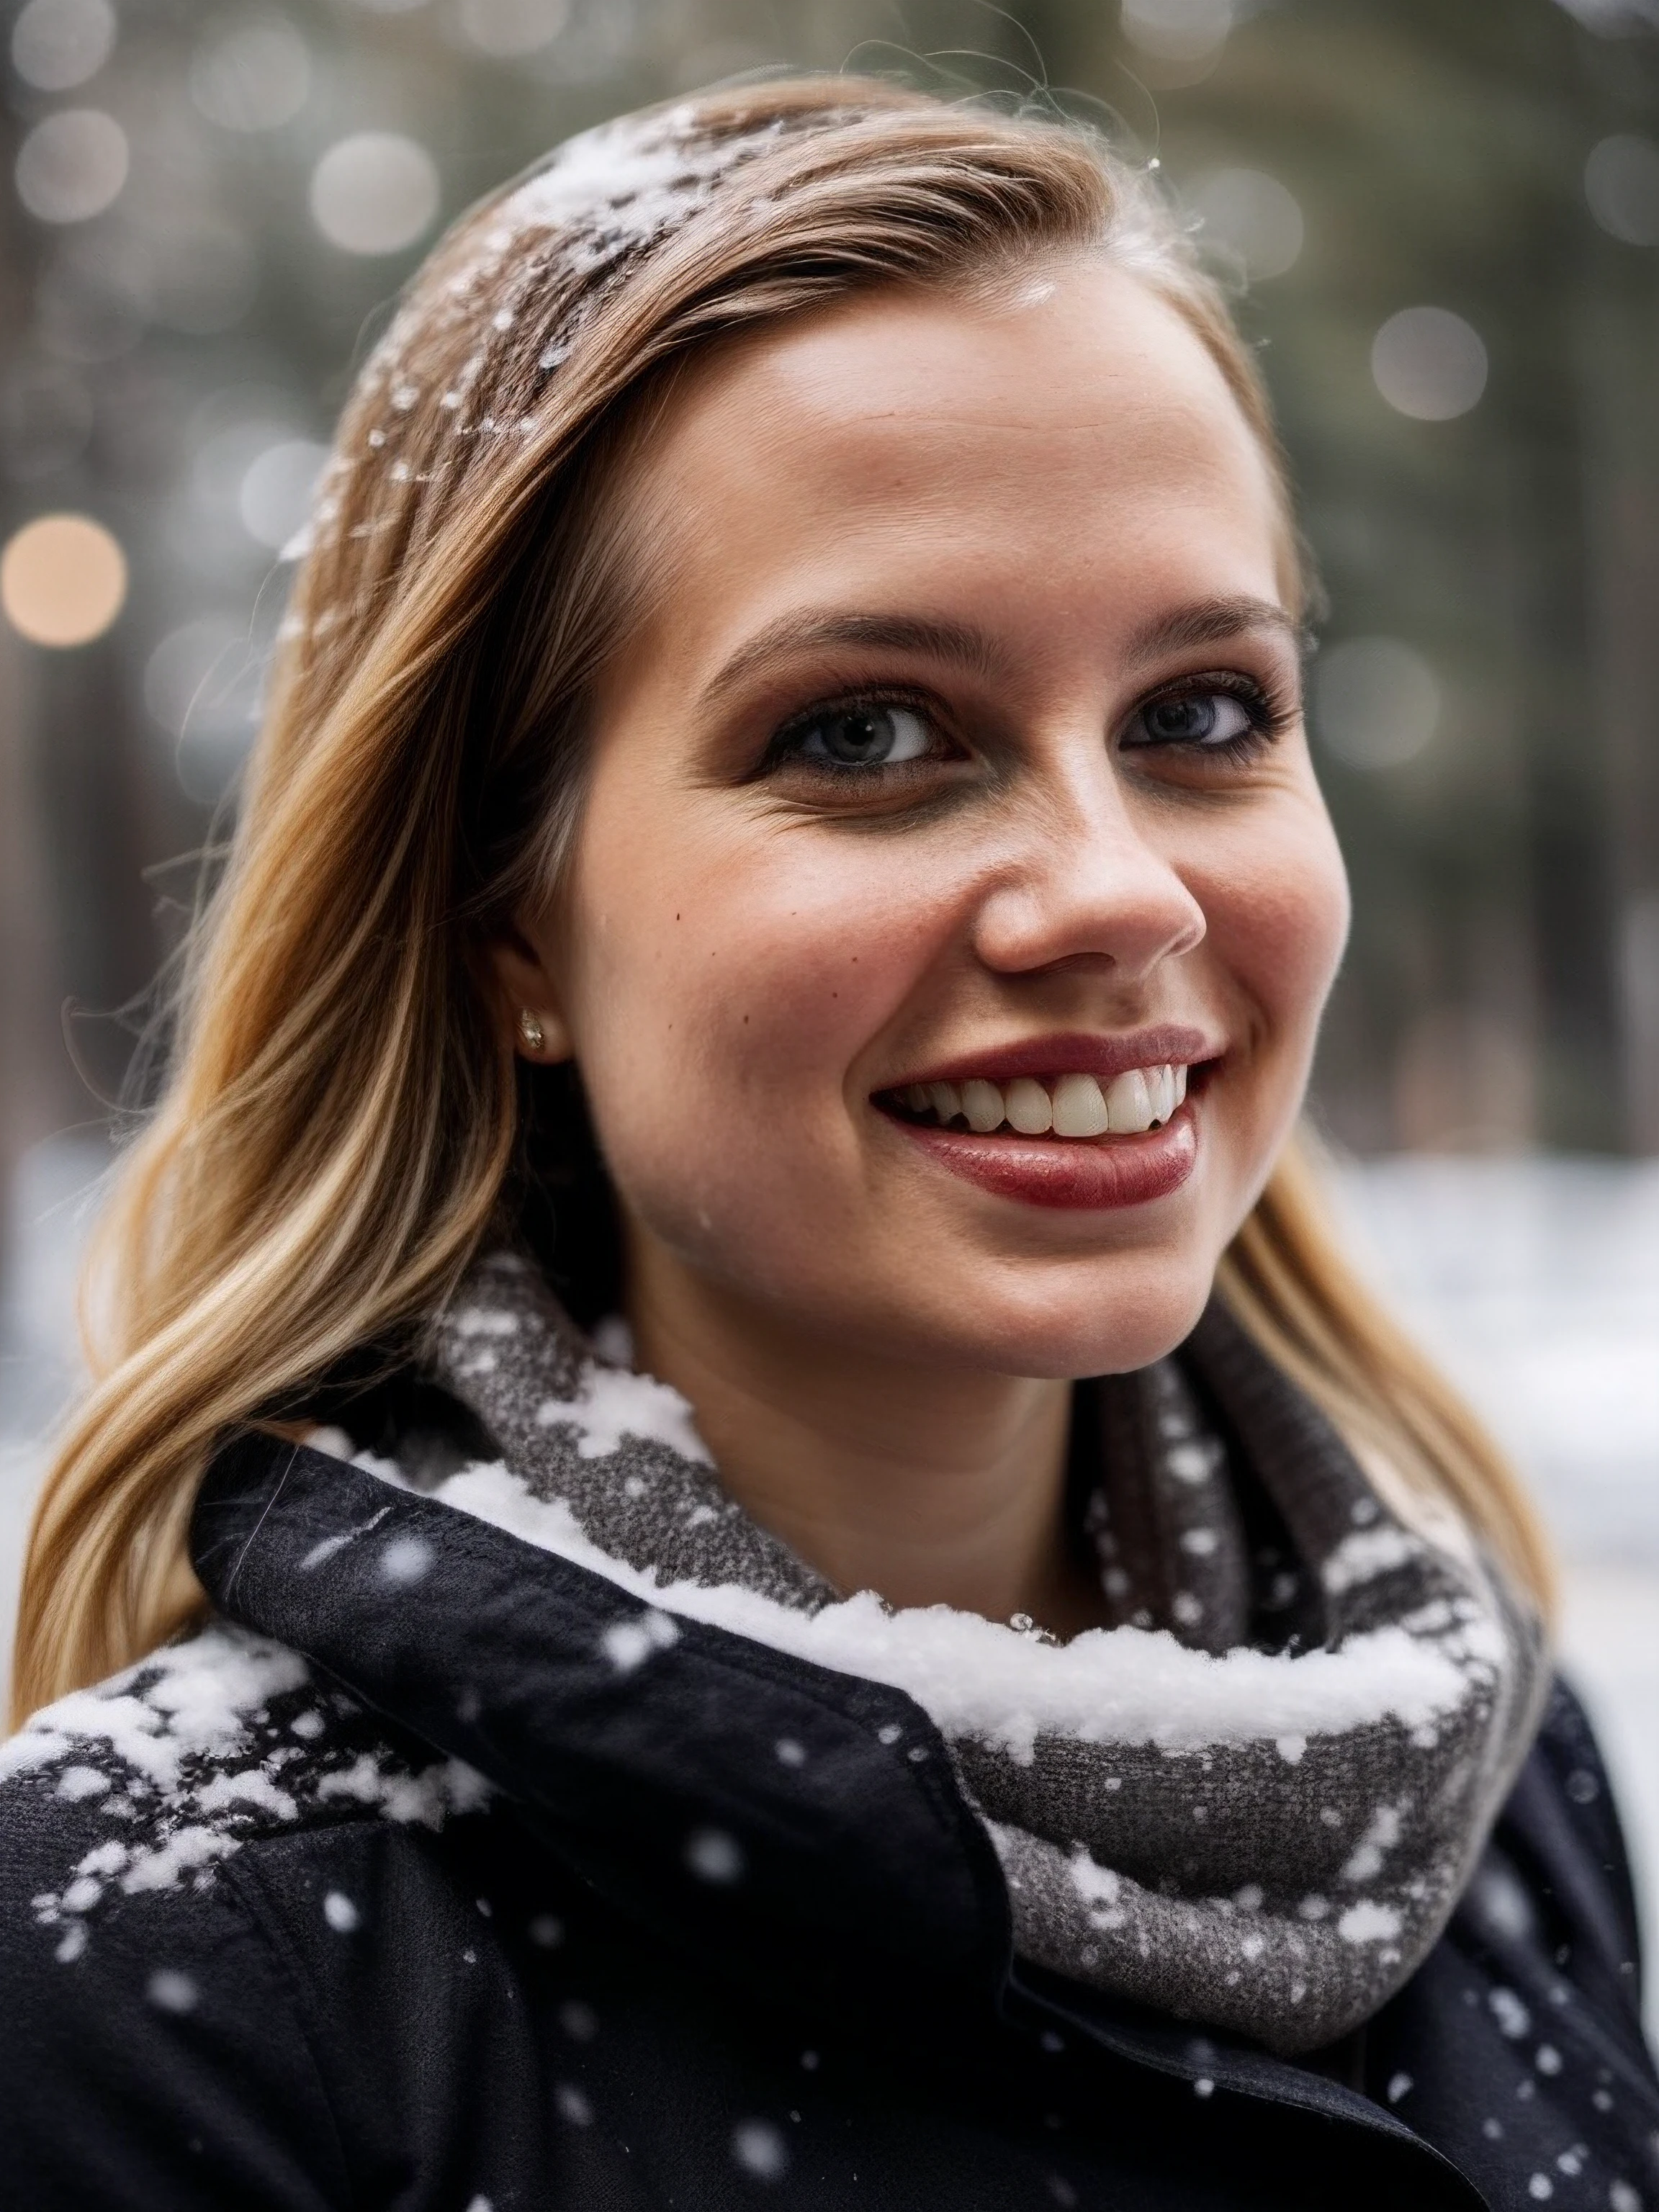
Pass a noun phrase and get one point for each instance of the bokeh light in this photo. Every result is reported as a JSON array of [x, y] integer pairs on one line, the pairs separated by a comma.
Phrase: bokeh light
[[202, 685], [1429, 363], [507, 27], [251, 75], [1375, 701], [72, 165], [1179, 30], [182, 665], [1621, 184], [274, 498], [374, 192], [1253, 217], [243, 425], [62, 580], [58, 43]]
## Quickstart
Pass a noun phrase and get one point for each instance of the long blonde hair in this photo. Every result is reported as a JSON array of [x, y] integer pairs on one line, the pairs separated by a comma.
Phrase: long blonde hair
[[343, 1124]]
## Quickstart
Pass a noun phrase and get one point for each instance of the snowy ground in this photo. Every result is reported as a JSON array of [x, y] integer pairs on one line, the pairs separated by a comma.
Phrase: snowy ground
[[1535, 1281]]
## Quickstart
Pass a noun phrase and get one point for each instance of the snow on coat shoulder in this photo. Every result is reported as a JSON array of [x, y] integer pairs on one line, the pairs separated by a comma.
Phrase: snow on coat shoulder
[[195, 1752]]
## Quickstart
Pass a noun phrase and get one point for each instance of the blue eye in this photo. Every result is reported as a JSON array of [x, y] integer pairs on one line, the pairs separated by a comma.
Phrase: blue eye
[[860, 737], [1207, 720]]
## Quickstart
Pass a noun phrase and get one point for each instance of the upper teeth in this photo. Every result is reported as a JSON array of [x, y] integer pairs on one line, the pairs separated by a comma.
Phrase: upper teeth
[[1063, 1106]]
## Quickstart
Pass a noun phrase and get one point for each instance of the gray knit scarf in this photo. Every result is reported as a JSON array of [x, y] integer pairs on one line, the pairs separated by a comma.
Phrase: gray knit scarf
[[1252, 1803]]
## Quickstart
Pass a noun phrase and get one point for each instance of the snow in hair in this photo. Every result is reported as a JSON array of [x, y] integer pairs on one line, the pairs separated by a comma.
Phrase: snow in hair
[[519, 281]]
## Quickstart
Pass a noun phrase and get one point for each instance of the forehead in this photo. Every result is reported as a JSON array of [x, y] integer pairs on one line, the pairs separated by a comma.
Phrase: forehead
[[1068, 437]]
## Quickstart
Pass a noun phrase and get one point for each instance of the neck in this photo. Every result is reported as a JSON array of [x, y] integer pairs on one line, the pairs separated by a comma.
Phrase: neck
[[927, 1486]]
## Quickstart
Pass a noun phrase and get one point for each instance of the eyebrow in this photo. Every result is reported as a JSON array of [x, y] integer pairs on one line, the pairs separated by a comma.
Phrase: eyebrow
[[957, 645], [961, 645], [1210, 621]]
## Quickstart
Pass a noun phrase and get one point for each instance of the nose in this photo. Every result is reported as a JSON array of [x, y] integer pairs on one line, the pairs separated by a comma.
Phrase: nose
[[1087, 886]]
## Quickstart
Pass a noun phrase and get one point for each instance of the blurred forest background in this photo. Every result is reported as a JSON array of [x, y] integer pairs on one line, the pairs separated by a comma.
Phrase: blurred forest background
[[1447, 218], [1442, 220]]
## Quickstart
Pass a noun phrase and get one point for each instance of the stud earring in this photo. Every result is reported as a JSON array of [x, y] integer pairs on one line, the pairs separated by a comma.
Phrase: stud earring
[[531, 1034]]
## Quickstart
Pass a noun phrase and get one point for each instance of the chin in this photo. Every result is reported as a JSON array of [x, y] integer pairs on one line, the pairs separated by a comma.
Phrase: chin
[[1104, 1319]]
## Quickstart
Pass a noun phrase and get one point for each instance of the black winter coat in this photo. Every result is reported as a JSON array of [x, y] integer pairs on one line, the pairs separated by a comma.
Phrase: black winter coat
[[664, 1965]]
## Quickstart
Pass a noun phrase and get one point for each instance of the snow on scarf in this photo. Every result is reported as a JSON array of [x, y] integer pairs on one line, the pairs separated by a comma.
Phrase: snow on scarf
[[1266, 1840]]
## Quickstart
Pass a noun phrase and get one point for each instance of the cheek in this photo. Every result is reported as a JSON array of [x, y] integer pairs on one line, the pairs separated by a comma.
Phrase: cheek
[[1279, 921], [723, 990]]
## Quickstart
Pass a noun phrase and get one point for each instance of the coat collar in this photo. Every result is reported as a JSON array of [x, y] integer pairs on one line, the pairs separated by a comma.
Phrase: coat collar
[[785, 1821], [846, 1870]]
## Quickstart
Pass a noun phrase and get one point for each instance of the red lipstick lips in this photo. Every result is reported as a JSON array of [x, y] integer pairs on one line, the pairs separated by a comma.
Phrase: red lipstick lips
[[1093, 1172], [1076, 1172]]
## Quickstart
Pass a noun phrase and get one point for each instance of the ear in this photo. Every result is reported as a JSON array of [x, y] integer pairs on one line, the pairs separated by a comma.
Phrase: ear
[[529, 999]]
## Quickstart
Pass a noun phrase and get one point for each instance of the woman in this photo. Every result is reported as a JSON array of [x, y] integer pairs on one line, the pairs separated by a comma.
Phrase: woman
[[757, 1547]]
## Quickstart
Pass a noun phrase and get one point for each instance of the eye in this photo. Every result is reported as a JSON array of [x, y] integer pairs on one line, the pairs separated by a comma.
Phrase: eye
[[1207, 720], [872, 736]]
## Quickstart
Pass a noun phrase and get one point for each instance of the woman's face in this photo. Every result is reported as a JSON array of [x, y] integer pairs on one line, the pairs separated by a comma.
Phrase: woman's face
[[958, 774]]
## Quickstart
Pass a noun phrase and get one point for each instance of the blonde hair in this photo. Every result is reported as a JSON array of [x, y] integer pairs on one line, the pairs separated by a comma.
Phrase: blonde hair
[[343, 1124]]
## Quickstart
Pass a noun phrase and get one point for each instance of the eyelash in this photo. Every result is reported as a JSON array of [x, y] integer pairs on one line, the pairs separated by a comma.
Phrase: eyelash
[[1270, 709], [779, 751]]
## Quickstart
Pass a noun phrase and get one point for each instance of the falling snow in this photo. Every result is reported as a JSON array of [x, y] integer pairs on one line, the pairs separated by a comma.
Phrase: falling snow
[[759, 2149], [171, 1991], [714, 1856]]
